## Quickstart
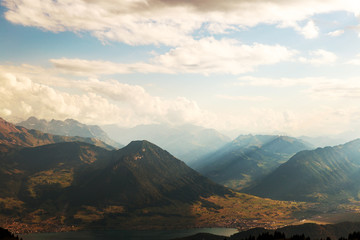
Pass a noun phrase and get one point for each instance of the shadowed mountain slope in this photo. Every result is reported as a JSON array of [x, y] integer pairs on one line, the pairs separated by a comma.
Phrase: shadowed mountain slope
[[330, 174], [248, 158]]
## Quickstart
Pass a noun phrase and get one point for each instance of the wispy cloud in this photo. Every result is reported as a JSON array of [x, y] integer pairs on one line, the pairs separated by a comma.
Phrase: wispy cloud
[[315, 87], [244, 98], [336, 33], [319, 57], [355, 61], [85, 67], [203, 56], [280, 82]]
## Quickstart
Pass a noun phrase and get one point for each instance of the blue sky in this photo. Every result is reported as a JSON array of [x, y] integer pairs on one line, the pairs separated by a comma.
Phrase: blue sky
[[237, 66]]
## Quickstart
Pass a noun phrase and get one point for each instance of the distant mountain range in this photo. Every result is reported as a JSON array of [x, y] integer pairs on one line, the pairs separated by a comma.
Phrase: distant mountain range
[[12, 135], [332, 140], [69, 127], [323, 174], [248, 158], [187, 142]]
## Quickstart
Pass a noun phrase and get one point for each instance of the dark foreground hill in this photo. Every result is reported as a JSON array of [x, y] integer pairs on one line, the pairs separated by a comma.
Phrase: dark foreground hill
[[69, 127], [142, 174], [6, 235], [12, 135], [248, 158], [323, 174], [75, 174], [296, 232], [311, 230]]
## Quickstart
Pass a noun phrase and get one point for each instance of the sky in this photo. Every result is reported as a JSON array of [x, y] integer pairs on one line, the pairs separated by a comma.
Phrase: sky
[[238, 66]]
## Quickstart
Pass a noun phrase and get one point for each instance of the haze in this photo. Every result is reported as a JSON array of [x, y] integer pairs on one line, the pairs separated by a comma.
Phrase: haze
[[288, 67]]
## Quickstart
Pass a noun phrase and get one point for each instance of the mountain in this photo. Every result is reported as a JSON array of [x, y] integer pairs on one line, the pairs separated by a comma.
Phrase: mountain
[[69, 127], [143, 174], [323, 174], [186, 142], [12, 135], [248, 158]]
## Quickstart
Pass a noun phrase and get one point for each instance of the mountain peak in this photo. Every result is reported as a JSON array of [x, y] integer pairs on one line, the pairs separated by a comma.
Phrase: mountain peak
[[142, 146], [69, 127], [71, 121], [6, 127], [140, 143], [32, 119]]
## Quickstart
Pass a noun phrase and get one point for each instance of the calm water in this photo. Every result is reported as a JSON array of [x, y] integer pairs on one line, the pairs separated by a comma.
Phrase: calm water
[[127, 235]]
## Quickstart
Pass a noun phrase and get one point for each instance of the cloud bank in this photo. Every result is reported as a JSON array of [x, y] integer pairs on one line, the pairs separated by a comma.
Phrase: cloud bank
[[171, 23], [100, 102]]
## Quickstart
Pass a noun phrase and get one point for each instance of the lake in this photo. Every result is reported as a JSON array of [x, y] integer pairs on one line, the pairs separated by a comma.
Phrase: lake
[[127, 234]]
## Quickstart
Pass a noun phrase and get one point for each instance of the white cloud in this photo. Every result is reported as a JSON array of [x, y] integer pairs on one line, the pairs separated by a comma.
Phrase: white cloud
[[167, 22], [309, 31], [319, 57], [336, 33], [203, 56]]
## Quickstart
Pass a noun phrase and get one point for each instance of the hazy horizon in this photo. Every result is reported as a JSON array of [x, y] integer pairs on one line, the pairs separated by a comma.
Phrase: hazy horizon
[[240, 67]]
